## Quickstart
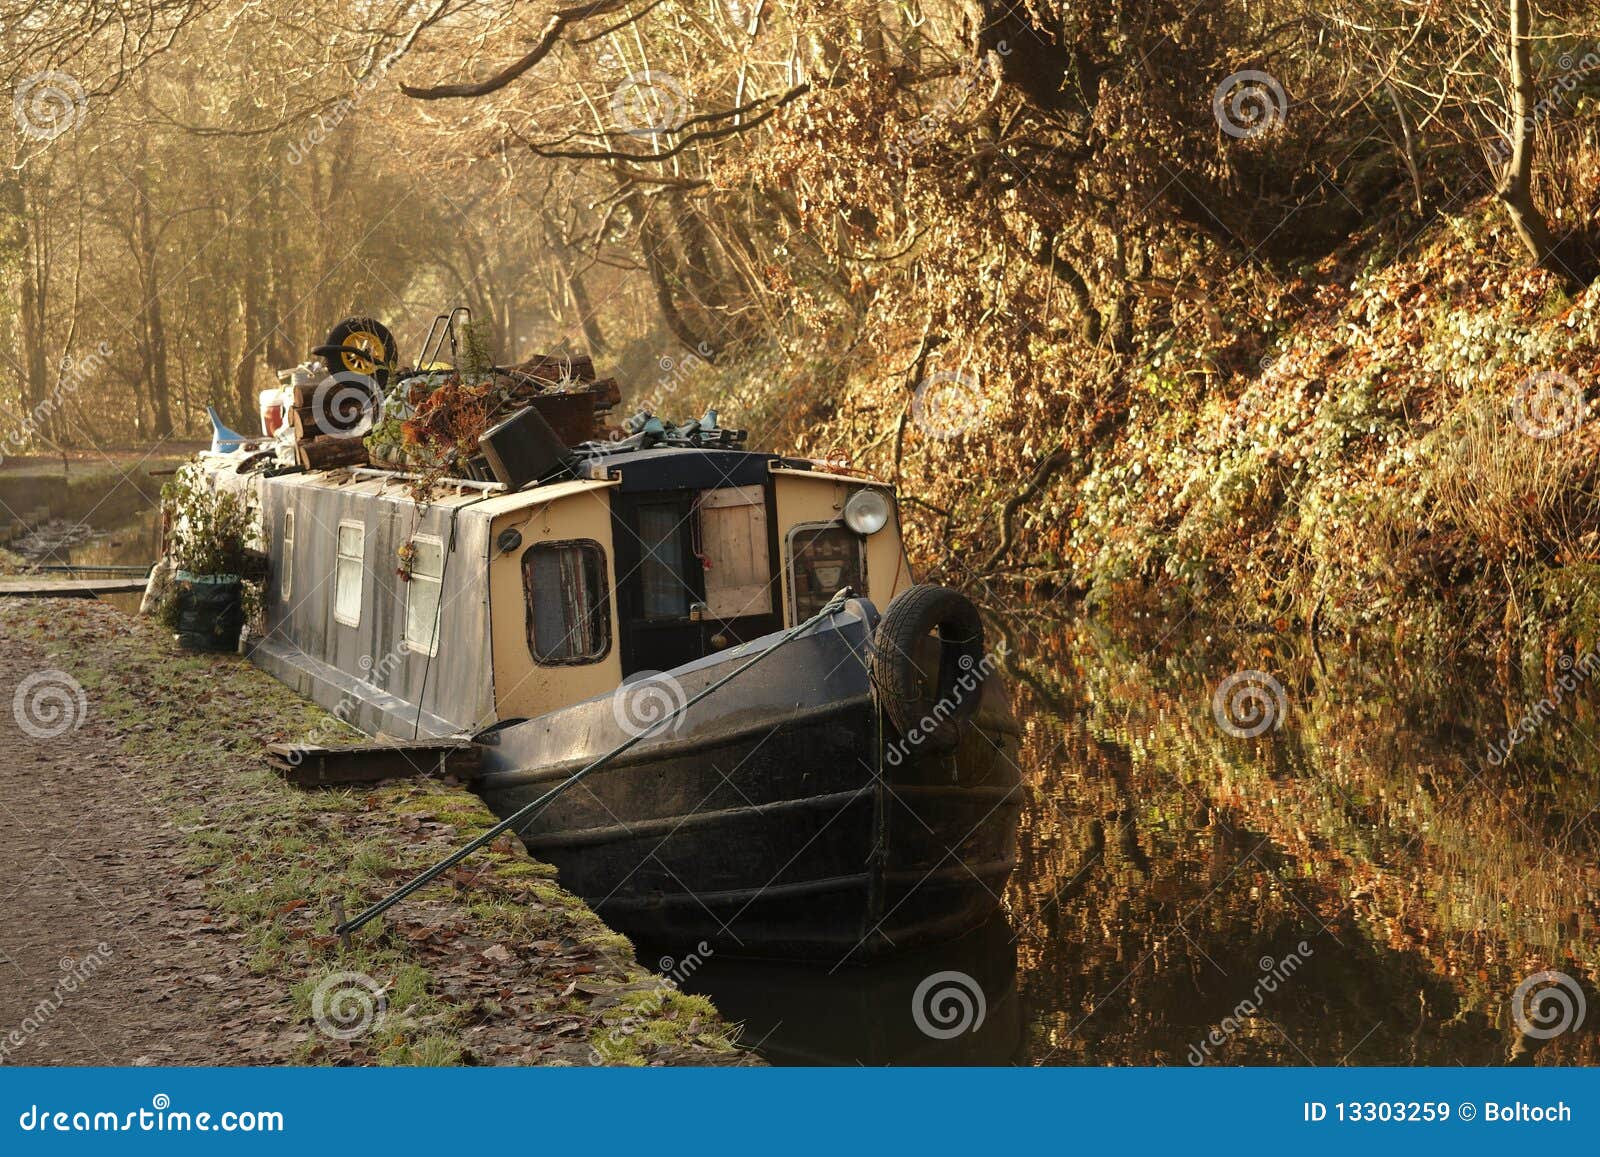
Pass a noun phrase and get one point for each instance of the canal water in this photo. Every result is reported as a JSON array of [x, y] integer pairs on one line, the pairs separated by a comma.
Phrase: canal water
[[1366, 881], [109, 515], [117, 527]]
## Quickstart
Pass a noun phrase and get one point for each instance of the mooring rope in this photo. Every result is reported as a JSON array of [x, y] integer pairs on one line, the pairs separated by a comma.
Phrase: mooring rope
[[527, 811]]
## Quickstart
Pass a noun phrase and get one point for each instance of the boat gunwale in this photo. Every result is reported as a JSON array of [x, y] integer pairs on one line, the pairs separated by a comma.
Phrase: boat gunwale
[[621, 832], [673, 748], [959, 873]]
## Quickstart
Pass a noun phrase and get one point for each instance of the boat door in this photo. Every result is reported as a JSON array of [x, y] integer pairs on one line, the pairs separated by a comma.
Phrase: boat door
[[659, 581], [694, 574]]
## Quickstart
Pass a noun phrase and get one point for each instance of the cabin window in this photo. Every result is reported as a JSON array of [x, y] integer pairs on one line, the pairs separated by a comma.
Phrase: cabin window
[[422, 594], [348, 572], [823, 558], [569, 620], [663, 581], [286, 581]]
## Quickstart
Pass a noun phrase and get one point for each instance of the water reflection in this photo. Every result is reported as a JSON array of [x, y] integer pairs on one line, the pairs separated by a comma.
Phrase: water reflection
[[1361, 884], [883, 1014], [127, 540], [131, 541]]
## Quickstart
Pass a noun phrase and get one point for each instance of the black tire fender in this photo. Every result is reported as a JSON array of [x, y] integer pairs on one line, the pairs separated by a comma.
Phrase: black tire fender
[[928, 707], [362, 333]]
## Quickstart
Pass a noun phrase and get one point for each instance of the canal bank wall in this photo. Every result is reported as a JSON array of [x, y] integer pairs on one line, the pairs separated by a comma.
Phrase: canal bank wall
[[154, 839]]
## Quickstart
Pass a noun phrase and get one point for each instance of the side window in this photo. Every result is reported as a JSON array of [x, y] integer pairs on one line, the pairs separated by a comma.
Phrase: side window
[[569, 619], [422, 594], [822, 558], [286, 581], [348, 573]]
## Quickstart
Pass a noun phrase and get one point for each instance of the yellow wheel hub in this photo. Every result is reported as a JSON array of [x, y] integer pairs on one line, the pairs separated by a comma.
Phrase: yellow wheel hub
[[371, 344]]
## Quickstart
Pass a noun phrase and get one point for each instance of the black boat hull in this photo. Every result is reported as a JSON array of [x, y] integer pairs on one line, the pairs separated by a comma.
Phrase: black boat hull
[[783, 818]]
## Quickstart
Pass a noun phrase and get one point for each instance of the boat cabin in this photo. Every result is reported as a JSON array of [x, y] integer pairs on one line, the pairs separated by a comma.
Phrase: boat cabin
[[486, 605]]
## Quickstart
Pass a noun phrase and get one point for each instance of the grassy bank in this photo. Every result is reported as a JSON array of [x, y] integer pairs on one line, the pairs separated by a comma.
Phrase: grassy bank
[[99, 489], [495, 963]]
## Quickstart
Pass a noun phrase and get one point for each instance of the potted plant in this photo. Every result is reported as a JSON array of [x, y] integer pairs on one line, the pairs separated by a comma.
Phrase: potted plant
[[207, 546]]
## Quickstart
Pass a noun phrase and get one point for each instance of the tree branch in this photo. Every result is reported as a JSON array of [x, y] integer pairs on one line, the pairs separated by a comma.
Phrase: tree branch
[[548, 39], [692, 139]]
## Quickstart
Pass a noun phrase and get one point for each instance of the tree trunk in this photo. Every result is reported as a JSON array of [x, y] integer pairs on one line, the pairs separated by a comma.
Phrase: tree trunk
[[1516, 183], [278, 324], [28, 236], [662, 277], [576, 293], [251, 309], [154, 324]]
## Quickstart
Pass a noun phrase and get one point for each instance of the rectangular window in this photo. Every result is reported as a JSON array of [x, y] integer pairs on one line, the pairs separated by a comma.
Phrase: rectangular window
[[286, 582], [569, 620], [422, 594], [349, 572], [664, 586], [822, 559]]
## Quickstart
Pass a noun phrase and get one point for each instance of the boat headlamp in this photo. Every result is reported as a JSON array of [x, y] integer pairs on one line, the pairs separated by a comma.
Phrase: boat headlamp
[[867, 512]]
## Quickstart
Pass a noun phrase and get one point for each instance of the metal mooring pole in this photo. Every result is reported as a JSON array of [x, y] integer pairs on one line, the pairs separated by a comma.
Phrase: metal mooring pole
[[527, 811]]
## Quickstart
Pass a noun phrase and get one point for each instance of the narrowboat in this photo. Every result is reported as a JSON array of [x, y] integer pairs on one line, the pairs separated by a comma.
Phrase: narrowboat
[[854, 794]]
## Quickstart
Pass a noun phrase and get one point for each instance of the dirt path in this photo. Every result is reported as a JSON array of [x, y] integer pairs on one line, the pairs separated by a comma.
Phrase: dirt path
[[107, 952], [165, 898]]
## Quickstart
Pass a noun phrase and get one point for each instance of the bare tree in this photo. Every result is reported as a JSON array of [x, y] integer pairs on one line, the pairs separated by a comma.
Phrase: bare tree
[[1516, 181]]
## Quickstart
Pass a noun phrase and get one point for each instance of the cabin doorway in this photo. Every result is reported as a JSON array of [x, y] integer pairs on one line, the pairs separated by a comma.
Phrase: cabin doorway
[[694, 574]]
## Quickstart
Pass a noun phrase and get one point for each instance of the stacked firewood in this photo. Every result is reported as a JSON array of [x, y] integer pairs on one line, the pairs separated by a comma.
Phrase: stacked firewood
[[329, 418], [543, 378], [447, 417]]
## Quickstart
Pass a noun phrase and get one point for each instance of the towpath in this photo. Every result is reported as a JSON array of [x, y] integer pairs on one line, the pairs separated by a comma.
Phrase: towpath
[[166, 899], [108, 954]]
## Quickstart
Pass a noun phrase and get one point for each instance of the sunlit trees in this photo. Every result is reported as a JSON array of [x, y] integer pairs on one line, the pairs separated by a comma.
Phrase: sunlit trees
[[1050, 202]]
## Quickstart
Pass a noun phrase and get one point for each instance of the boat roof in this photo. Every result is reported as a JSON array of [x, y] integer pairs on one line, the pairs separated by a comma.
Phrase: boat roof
[[655, 469]]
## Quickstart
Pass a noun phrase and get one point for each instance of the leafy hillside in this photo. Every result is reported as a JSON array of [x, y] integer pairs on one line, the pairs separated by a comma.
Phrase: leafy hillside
[[1401, 444]]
